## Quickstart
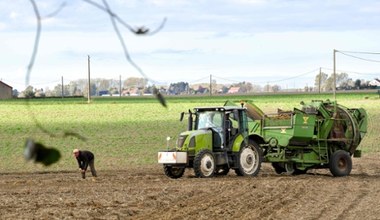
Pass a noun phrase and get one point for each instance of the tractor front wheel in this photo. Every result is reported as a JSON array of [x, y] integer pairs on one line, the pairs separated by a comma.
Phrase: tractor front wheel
[[174, 172], [249, 160], [204, 164], [340, 163]]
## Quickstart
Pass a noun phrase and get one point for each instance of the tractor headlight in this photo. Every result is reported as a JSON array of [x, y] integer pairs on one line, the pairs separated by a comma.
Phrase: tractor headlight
[[181, 140]]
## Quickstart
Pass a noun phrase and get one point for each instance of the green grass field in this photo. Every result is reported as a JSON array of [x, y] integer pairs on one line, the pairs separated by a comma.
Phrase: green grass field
[[129, 131]]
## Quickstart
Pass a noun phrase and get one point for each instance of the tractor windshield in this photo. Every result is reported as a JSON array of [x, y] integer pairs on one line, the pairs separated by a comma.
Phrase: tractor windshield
[[210, 119]]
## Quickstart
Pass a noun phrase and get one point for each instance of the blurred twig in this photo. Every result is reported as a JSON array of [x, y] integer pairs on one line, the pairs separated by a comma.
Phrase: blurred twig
[[158, 95], [29, 71], [141, 30], [114, 17], [54, 13]]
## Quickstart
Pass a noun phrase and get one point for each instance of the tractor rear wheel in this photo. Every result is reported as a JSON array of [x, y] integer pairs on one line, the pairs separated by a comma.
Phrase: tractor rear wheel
[[204, 164], [249, 160], [340, 163], [174, 172]]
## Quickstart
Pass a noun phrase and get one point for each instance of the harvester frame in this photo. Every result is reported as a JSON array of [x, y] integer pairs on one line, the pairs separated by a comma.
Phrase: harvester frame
[[322, 134]]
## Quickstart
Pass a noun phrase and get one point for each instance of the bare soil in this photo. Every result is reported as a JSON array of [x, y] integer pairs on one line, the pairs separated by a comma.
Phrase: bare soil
[[146, 193]]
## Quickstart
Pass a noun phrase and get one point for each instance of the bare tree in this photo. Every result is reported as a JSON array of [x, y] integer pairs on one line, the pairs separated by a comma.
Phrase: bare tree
[[320, 81], [135, 82]]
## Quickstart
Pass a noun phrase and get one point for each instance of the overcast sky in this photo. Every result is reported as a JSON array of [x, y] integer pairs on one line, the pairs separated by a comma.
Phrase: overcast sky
[[281, 42]]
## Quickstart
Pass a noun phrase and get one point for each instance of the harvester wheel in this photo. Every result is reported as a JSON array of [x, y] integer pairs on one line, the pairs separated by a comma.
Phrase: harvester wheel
[[278, 167], [174, 172], [340, 163], [249, 160], [204, 164], [289, 168], [222, 171], [299, 172]]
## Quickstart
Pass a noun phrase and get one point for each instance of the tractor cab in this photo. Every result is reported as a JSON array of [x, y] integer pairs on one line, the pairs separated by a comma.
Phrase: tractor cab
[[225, 123]]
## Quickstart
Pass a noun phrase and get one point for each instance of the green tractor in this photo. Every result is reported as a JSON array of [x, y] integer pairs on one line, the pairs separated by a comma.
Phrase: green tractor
[[322, 134], [216, 141]]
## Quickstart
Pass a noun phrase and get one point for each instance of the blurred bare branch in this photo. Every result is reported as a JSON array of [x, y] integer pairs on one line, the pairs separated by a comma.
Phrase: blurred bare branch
[[158, 95], [139, 31], [54, 13], [121, 39], [29, 71], [36, 42], [114, 17]]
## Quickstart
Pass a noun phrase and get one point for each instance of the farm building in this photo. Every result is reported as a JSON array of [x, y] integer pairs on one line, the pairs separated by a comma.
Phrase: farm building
[[375, 82], [233, 90], [131, 92], [5, 91]]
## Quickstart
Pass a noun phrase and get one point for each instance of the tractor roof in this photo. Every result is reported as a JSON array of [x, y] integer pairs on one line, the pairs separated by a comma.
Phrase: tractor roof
[[219, 108]]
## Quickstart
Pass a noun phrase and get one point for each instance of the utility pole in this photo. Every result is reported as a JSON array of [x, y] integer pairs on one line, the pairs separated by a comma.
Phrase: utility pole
[[210, 85], [334, 75], [62, 93], [320, 80], [89, 81], [119, 85]]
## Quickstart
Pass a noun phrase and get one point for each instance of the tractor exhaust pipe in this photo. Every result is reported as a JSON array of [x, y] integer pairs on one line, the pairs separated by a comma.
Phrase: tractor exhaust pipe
[[190, 121]]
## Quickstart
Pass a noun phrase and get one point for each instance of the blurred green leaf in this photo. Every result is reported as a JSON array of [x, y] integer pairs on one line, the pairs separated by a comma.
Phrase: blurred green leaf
[[40, 154]]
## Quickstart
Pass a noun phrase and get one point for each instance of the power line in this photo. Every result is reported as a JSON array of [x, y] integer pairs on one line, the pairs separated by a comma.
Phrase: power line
[[361, 58], [361, 52], [39, 83], [292, 77], [231, 80], [44, 83], [201, 79], [354, 72], [272, 81]]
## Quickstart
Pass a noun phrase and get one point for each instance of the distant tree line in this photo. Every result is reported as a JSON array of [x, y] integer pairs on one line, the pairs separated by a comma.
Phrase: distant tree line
[[80, 88], [138, 86], [324, 82]]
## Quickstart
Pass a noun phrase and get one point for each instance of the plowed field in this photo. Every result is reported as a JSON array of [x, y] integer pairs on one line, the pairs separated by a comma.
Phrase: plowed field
[[146, 193]]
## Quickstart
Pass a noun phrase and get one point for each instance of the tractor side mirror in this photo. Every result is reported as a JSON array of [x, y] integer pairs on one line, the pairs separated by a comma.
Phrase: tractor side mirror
[[236, 115], [228, 125], [181, 117]]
